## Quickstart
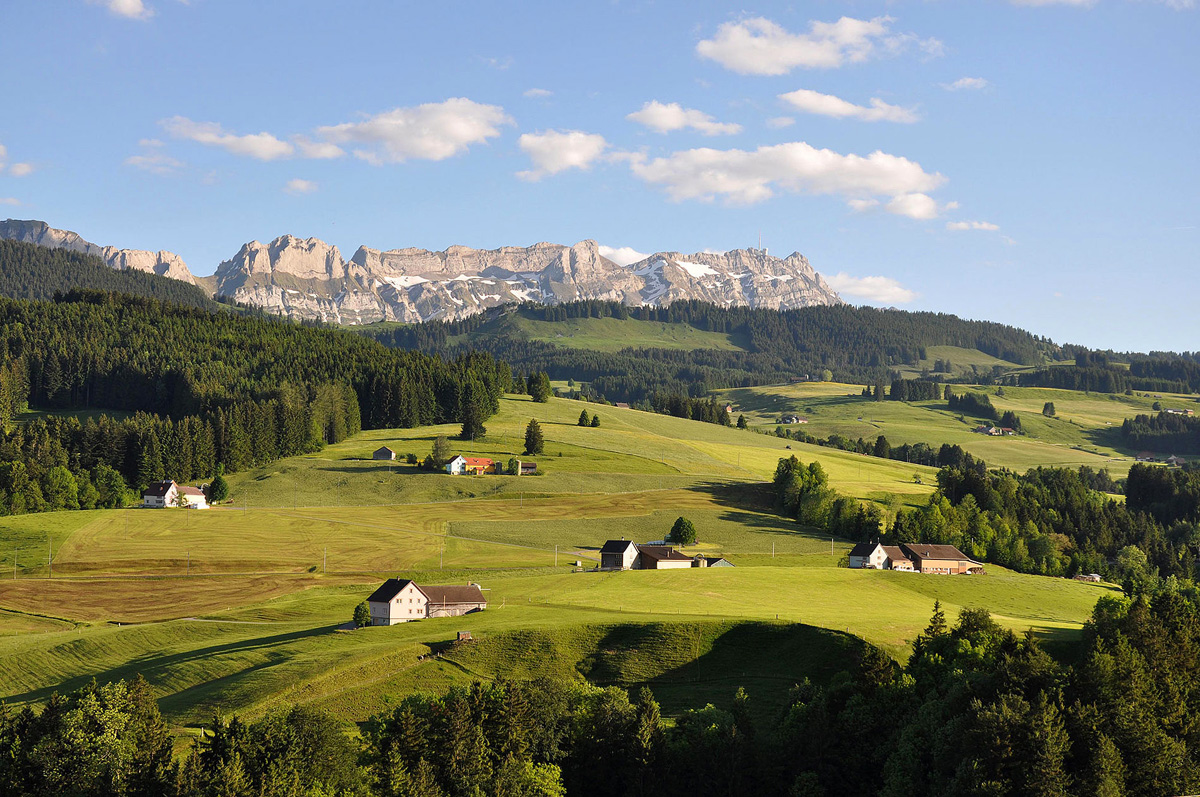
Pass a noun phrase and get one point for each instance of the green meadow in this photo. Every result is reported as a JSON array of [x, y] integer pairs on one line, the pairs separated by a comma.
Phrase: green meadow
[[1084, 430], [245, 607]]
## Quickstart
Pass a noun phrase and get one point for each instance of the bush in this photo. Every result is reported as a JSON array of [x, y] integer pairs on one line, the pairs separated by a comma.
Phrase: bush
[[362, 615]]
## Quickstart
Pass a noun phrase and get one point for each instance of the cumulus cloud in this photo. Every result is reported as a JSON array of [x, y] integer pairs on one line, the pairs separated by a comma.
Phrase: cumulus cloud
[[152, 159], [665, 117], [877, 290], [862, 205], [155, 162], [828, 105], [20, 169], [622, 255], [915, 206], [759, 46], [971, 225], [262, 146], [558, 150], [320, 150], [299, 186], [745, 177], [433, 131], [130, 9], [8, 200], [3, 155], [966, 84], [537, 93]]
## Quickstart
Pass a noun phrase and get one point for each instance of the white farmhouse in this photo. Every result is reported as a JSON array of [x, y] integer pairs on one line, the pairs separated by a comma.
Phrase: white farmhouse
[[160, 495], [397, 601], [191, 498], [456, 466]]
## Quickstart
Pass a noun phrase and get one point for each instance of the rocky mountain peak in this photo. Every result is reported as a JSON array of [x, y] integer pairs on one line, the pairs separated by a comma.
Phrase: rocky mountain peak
[[163, 263]]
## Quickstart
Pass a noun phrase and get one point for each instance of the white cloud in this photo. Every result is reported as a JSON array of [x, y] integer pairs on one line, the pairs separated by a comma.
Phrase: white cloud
[[966, 84], [8, 200], [537, 93], [433, 131], [971, 225], [155, 163], [665, 117], [878, 290], [558, 150], [915, 206], [759, 46], [778, 122], [299, 186], [3, 155], [829, 105], [744, 177], [862, 205], [262, 146], [130, 9], [321, 150], [20, 169], [622, 255]]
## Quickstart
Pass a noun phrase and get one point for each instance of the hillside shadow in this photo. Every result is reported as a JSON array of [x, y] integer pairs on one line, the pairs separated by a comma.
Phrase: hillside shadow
[[156, 669], [765, 658]]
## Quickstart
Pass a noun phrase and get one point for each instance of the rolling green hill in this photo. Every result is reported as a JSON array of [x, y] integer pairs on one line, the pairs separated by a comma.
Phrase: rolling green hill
[[243, 607]]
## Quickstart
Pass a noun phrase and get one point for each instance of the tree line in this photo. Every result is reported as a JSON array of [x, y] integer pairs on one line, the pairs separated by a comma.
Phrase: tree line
[[1165, 432], [200, 389], [29, 271], [975, 709], [857, 344]]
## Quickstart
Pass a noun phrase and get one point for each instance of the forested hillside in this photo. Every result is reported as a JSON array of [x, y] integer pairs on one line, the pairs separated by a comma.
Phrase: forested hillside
[[856, 344], [29, 271], [206, 389]]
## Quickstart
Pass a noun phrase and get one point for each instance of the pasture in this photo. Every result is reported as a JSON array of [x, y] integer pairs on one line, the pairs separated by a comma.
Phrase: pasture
[[245, 607]]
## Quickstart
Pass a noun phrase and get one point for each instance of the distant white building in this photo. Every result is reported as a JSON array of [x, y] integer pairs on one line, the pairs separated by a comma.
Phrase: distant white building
[[160, 495], [191, 498], [400, 600]]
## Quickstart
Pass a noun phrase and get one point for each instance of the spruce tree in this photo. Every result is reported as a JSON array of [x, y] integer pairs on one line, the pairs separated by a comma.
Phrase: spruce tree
[[595, 421], [683, 532], [534, 444], [584, 420], [472, 411]]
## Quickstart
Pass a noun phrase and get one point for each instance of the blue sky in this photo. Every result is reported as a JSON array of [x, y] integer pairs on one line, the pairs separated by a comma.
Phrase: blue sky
[[1028, 162]]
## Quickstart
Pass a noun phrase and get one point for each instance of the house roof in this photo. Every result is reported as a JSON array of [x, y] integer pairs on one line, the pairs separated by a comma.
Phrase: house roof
[[190, 490], [452, 593], [712, 560], [160, 489], [864, 549], [383, 448], [894, 553], [663, 553], [390, 589], [616, 546], [478, 462], [925, 551]]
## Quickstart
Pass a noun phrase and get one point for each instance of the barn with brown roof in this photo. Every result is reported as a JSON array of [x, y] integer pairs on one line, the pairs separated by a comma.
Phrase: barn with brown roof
[[944, 559]]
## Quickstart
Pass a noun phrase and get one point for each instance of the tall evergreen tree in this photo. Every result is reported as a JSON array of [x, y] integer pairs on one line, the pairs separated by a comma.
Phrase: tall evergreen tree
[[534, 444]]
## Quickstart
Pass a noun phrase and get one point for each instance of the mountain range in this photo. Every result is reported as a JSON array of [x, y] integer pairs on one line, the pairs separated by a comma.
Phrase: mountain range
[[309, 279]]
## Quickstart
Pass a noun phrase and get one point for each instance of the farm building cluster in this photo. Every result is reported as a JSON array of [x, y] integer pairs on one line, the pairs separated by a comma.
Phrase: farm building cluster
[[913, 558], [467, 466], [400, 600], [161, 495], [995, 431], [628, 555]]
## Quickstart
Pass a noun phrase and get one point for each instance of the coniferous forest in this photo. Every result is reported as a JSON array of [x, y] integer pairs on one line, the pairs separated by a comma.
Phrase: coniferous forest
[[857, 344], [197, 389]]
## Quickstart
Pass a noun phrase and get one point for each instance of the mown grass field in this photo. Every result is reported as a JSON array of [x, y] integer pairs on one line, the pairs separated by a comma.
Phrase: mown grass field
[[242, 608], [1084, 431]]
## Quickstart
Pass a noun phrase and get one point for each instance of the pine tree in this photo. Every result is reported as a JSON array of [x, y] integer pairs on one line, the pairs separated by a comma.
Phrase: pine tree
[[150, 466], [539, 387], [584, 420], [741, 422], [534, 444], [595, 421], [472, 411]]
